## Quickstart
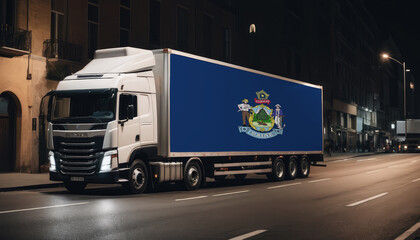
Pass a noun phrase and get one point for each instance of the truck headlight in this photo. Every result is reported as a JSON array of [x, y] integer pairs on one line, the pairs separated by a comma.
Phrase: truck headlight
[[110, 161], [52, 161], [418, 147], [405, 147]]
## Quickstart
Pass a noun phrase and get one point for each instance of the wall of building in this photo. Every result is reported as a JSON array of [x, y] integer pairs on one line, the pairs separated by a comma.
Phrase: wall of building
[[25, 77], [330, 43]]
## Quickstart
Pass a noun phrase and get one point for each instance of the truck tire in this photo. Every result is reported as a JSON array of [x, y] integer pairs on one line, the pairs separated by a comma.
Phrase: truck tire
[[138, 178], [304, 167], [75, 187], [278, 170], [291, 168], [192, 176]]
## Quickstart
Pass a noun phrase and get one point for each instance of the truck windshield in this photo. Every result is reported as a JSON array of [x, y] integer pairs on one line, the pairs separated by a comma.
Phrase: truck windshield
[[83, 106]]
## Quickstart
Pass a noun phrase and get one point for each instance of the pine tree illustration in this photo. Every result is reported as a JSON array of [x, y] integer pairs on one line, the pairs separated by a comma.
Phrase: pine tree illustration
[[262, 116]]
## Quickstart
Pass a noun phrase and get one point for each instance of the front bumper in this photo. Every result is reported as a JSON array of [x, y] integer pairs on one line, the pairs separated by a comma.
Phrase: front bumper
[[104, 177]]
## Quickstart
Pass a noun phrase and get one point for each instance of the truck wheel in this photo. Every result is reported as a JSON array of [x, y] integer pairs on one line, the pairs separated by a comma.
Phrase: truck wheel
[[192, 176], [278, 170], [304, 167], [138, 177], [291, 168], [75, 187]]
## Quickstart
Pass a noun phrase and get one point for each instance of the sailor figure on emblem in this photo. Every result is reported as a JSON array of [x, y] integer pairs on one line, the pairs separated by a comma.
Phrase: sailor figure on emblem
[[278, 116], [244, 107]]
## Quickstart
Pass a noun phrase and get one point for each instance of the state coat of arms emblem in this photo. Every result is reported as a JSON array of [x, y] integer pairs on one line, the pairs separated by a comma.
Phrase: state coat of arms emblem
[[261, 121]]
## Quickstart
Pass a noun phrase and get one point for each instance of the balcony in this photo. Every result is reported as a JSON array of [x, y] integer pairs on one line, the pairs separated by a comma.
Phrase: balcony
[[63, 58], [62, 50], [14, 41]]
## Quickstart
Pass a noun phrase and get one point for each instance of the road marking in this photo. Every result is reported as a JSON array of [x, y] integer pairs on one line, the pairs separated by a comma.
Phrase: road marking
[[191, 198], [414, 161], [230, 193], [398, 165], [320, 180], [374, 171], [367, 159], [248, 235], [410, 231], [418, 179], [46, 207], [367, 199], [285, 185], [342, 160]]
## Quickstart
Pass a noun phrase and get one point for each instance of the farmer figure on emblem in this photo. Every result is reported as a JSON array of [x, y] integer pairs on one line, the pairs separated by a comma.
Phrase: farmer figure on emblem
[[244, 107]]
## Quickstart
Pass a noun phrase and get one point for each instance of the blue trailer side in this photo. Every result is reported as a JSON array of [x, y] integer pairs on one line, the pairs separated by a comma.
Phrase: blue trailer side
[[206, 119]]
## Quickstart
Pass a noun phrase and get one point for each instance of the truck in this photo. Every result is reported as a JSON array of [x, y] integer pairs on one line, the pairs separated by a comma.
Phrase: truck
[[410, 140], [144, 117]]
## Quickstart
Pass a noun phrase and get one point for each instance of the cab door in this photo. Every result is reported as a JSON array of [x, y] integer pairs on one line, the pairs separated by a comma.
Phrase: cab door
[[128, 125]]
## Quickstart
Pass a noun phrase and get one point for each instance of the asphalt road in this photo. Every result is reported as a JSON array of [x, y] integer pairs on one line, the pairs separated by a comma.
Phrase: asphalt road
[[374, 197]]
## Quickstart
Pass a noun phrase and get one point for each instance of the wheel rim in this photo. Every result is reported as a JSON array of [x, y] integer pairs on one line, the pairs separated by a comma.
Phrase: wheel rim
[[292, 168], [304, 166], [138, 178], [279, 169], [193, 176]]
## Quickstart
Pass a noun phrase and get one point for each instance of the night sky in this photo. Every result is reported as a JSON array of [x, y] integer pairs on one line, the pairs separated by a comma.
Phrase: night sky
[[401, 19]]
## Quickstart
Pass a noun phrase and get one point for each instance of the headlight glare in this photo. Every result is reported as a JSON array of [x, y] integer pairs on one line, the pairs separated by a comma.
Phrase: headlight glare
[[52, 161], [110, 161]]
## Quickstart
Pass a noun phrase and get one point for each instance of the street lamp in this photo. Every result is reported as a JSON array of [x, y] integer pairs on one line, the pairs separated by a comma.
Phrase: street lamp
[[386, 56]]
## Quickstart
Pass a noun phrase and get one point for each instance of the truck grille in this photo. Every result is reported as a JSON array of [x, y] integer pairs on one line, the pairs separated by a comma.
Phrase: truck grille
[[78, 156]]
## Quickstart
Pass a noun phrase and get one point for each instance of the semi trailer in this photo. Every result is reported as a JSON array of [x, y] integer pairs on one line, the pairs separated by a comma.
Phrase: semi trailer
[[143, 117]]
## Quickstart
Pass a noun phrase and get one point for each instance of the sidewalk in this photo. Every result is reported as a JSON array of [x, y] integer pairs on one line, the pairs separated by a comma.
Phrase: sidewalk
[[25, 181], [338, 156]]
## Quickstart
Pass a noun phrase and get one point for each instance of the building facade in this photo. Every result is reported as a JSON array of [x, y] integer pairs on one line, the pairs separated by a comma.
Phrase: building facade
[[42, 41], [335, 44]]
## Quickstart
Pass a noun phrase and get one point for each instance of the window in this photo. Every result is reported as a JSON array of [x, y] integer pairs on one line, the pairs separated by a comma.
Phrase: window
[[58, 20], [297, 66], [93, 27], [125, 3], [207, 34], [226, 44], [125, 22], [127, 101], [154, 21], [7, 12], [182, 28], [83, 106]]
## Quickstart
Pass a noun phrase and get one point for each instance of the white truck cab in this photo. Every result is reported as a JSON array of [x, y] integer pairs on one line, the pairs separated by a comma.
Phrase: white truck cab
[[100, 115]]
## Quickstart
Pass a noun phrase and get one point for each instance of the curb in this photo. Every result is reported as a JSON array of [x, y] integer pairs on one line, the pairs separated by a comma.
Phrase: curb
[[354, 156], [31, 187]]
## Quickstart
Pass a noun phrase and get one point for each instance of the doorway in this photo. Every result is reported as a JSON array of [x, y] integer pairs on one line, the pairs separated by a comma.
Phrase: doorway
[[8, 120]]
